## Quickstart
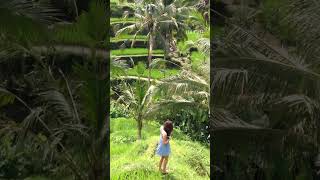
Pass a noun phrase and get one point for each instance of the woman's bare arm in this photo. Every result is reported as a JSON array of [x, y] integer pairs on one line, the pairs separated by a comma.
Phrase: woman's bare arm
[[165, 139], [162, 130]]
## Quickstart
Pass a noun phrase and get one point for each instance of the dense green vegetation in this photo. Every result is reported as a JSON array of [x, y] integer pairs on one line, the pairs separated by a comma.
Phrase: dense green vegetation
[[155, 74], [159, 72], [54, 90], [265, 105]]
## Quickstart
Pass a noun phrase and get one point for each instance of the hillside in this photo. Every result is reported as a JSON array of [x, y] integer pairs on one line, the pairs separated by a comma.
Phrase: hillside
[[132, 159]]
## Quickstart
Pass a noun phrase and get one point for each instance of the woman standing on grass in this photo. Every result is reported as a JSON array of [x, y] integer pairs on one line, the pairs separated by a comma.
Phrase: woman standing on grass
[[163, 148]]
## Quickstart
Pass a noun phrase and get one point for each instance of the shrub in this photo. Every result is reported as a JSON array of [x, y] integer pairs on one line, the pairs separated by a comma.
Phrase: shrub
[[192, 123], [123, 139], [118, 110]]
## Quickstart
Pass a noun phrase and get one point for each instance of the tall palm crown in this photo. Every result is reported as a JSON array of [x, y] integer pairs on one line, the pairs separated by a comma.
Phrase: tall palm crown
[[160, 20], [262, 87]]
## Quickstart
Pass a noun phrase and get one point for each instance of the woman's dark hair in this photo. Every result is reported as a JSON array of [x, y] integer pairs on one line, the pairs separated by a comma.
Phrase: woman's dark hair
[[168, 127]]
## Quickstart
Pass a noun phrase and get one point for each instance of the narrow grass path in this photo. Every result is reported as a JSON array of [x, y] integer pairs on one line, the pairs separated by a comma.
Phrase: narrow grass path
[[134, 159]]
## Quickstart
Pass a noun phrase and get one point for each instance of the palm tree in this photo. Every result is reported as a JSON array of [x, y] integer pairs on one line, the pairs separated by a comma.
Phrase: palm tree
[[138, 98], [252, 72], [95, 94], [186, 91], [157, 19]]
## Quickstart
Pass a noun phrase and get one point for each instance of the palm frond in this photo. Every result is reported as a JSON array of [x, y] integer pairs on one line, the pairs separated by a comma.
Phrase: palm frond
[[175, 104], [57, 103], [40, 11], [197, 18], [203, 45], [129, 29], [304, 103], [223, 119], [89, 28], [263, 63], [19, 33], [303, 19], [30, 121], [94, 96], [183, 81], [6, 97], [148, 96], [117, 68], [228, 78]]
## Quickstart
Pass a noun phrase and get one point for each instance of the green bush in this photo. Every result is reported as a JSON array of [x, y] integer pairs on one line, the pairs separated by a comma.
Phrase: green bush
[[192, 123], [17, 161], [197, 60], [118, 110], [196, 162]]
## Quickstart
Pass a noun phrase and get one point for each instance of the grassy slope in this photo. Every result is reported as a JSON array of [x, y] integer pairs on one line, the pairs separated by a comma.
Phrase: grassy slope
[[122, 20], [128, 37], [155, 73], [131, 159], [135, 52]]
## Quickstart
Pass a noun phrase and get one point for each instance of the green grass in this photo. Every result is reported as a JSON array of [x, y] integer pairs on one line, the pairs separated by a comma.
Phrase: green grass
[[155, 73], [132, 159], [126, 37], [122, 20], [193, 35], [136, 52], [198, 59]]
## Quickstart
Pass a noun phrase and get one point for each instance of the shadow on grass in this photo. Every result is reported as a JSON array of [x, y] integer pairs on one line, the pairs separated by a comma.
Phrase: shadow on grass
[[169, 176]]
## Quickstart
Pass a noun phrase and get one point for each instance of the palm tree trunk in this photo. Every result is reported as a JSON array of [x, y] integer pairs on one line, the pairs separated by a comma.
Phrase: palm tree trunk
[[139, 122], [150, 56]]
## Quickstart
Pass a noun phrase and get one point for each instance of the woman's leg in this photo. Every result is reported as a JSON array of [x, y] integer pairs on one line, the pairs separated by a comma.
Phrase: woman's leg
[[160, 163], [165, 162]]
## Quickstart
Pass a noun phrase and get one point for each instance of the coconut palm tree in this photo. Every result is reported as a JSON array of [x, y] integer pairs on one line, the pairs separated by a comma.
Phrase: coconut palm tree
[[159, 20], [245, 48], [138, 98], [186, 91], [252, 72]]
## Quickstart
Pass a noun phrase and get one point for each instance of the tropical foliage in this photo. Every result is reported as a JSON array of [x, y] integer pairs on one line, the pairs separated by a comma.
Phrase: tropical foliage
[[265, 101], [54, 93], [161, 71]]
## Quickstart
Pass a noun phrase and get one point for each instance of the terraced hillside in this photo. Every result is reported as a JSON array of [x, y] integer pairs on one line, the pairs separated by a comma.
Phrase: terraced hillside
[[131, 47]]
